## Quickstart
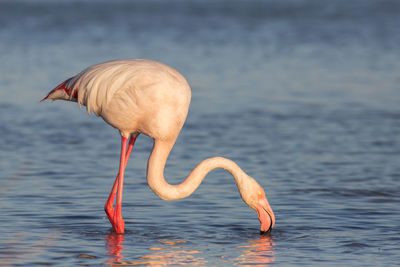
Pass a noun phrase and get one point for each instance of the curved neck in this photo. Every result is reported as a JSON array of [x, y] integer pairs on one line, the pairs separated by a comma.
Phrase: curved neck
[[155, 172]]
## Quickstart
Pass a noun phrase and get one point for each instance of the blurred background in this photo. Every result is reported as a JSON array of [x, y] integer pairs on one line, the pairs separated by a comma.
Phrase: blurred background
[[302, 94]]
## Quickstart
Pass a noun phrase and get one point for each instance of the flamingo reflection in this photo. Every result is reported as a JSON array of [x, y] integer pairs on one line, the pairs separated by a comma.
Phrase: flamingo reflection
[[257, 252]]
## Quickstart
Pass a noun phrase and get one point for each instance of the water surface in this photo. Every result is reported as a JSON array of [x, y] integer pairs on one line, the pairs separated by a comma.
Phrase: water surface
[[303, 95]]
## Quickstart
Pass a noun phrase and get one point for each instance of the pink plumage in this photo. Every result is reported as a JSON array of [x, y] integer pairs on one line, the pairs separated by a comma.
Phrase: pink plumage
[[140, 96]]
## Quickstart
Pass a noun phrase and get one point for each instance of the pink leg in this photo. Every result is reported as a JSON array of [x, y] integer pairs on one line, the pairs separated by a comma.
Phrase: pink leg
[[119, 223], [111, 213], [110, 201]]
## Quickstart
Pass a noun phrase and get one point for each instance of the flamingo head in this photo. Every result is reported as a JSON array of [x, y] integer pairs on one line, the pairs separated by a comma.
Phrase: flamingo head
[[61, 92], [254, 196]]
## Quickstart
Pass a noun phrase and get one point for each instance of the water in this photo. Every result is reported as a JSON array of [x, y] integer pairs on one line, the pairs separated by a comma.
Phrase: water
[[303, 95]]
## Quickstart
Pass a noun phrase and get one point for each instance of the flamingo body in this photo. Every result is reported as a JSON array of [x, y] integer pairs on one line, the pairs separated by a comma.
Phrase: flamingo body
[[139, 96], [135, 96]]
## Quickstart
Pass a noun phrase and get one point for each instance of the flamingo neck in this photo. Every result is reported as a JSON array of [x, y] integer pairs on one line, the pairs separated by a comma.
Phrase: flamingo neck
[[166, 191]]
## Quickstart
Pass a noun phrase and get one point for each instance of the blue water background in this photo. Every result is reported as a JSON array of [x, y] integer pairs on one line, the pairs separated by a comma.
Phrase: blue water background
[[304, 95]]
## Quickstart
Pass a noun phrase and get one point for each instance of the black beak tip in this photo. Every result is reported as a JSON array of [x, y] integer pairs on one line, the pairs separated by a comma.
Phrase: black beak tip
[[268, 232]]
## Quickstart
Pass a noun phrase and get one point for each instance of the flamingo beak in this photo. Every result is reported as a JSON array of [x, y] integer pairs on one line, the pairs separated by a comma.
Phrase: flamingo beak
[[266, 216], [268, 231]]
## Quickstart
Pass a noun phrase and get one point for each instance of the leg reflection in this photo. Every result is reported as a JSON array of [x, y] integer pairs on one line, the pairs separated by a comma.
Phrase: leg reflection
[[114, 246]]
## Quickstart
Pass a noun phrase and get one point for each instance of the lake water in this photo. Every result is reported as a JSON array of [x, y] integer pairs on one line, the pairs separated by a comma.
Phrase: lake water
[[304, 95]]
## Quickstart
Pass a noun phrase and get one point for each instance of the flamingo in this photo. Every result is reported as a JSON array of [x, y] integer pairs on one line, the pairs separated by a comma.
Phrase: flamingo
[[138, 96]]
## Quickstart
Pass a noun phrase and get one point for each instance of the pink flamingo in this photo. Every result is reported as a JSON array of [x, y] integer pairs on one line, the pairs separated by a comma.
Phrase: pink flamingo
[[140, 96]]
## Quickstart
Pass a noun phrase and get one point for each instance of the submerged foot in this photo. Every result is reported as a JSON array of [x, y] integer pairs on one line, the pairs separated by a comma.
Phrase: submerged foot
[[117, 221], [119, 226]]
